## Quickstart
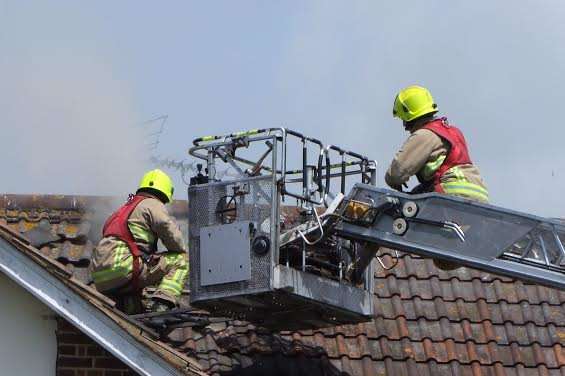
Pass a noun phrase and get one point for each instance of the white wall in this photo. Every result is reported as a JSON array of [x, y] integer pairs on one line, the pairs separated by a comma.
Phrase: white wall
[[28, 345]]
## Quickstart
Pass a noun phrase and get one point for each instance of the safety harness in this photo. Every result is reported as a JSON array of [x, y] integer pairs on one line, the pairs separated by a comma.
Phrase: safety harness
[[117, 226], [458, 153]]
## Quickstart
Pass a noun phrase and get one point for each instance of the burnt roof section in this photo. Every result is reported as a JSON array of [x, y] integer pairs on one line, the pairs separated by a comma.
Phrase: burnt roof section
[[428, 321]]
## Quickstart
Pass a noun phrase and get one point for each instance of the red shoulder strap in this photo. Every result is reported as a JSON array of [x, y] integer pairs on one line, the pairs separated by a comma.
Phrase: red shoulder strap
[[458, 153], [117, 226]]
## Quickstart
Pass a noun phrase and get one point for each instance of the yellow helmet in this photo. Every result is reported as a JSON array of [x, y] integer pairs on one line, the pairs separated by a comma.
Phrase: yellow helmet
[[158, 181], [413, 102]]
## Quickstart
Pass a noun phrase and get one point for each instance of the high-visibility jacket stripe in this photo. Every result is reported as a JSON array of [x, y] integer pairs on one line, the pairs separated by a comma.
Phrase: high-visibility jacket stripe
[[141, 233], [430, 168], [121, 267], [461, 188], [175, 284], [172, 287]]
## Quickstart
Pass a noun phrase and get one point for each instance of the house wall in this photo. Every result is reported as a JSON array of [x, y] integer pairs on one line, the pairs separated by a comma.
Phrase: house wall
[[27, 330]]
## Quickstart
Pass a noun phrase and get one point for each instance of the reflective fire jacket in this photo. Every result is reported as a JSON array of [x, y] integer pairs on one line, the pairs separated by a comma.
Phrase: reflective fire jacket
[[437, 154], [147, 222]]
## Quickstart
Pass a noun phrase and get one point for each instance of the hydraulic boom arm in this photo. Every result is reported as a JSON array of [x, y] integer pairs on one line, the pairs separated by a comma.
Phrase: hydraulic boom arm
[[482, 236]]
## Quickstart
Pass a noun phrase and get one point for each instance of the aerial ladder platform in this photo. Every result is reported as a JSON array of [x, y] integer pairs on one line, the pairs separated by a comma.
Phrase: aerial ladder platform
[[285, 232]]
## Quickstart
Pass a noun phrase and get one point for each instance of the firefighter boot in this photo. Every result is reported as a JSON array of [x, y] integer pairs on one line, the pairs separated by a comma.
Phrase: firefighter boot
[[157, 305]]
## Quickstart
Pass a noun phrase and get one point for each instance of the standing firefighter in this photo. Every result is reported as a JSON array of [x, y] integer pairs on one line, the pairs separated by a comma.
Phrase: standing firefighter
[[435, 151], [124, 262]]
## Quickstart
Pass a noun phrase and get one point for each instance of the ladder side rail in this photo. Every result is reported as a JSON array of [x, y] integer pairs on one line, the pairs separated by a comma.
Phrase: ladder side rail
[[523, 271], [559, 246], [479, 235]]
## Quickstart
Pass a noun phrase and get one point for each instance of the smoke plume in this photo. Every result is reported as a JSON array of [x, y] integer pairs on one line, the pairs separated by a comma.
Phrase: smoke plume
[[69, 126]]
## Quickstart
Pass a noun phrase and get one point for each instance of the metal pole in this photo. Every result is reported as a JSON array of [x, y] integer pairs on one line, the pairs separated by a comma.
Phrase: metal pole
[[304, 163], [303, 255], [211, 165], [275, 209], [343, 171], [373, 172]]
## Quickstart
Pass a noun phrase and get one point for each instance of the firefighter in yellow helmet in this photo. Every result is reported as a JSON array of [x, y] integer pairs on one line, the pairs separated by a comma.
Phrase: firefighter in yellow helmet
[[124, 262], [435, 151]]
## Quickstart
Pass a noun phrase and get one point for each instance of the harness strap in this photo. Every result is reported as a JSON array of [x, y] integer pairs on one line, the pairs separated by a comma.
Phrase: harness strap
[[117, 226]]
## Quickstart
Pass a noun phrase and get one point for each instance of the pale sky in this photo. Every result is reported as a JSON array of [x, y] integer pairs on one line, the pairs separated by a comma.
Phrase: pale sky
[[77, 76]]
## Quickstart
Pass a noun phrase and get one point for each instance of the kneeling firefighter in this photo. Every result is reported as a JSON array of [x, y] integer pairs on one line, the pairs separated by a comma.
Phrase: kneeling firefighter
[[125, 261]]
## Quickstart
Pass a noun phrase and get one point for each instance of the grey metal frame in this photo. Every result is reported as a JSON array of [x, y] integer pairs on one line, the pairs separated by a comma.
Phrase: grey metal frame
[[211, 144], [495, 239], [283, 298], [198, 291]]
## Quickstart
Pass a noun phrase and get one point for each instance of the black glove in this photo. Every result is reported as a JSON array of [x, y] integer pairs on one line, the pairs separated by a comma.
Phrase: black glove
[[422, 188]]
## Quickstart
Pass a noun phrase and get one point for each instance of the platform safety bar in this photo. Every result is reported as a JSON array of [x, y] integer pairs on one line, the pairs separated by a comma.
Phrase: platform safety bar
[[209, 147]]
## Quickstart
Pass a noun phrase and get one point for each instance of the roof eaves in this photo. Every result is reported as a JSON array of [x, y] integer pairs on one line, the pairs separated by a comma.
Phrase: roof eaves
[[92, 314]]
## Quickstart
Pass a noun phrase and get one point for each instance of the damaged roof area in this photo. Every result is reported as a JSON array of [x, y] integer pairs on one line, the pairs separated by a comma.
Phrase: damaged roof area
[[428, 321]]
